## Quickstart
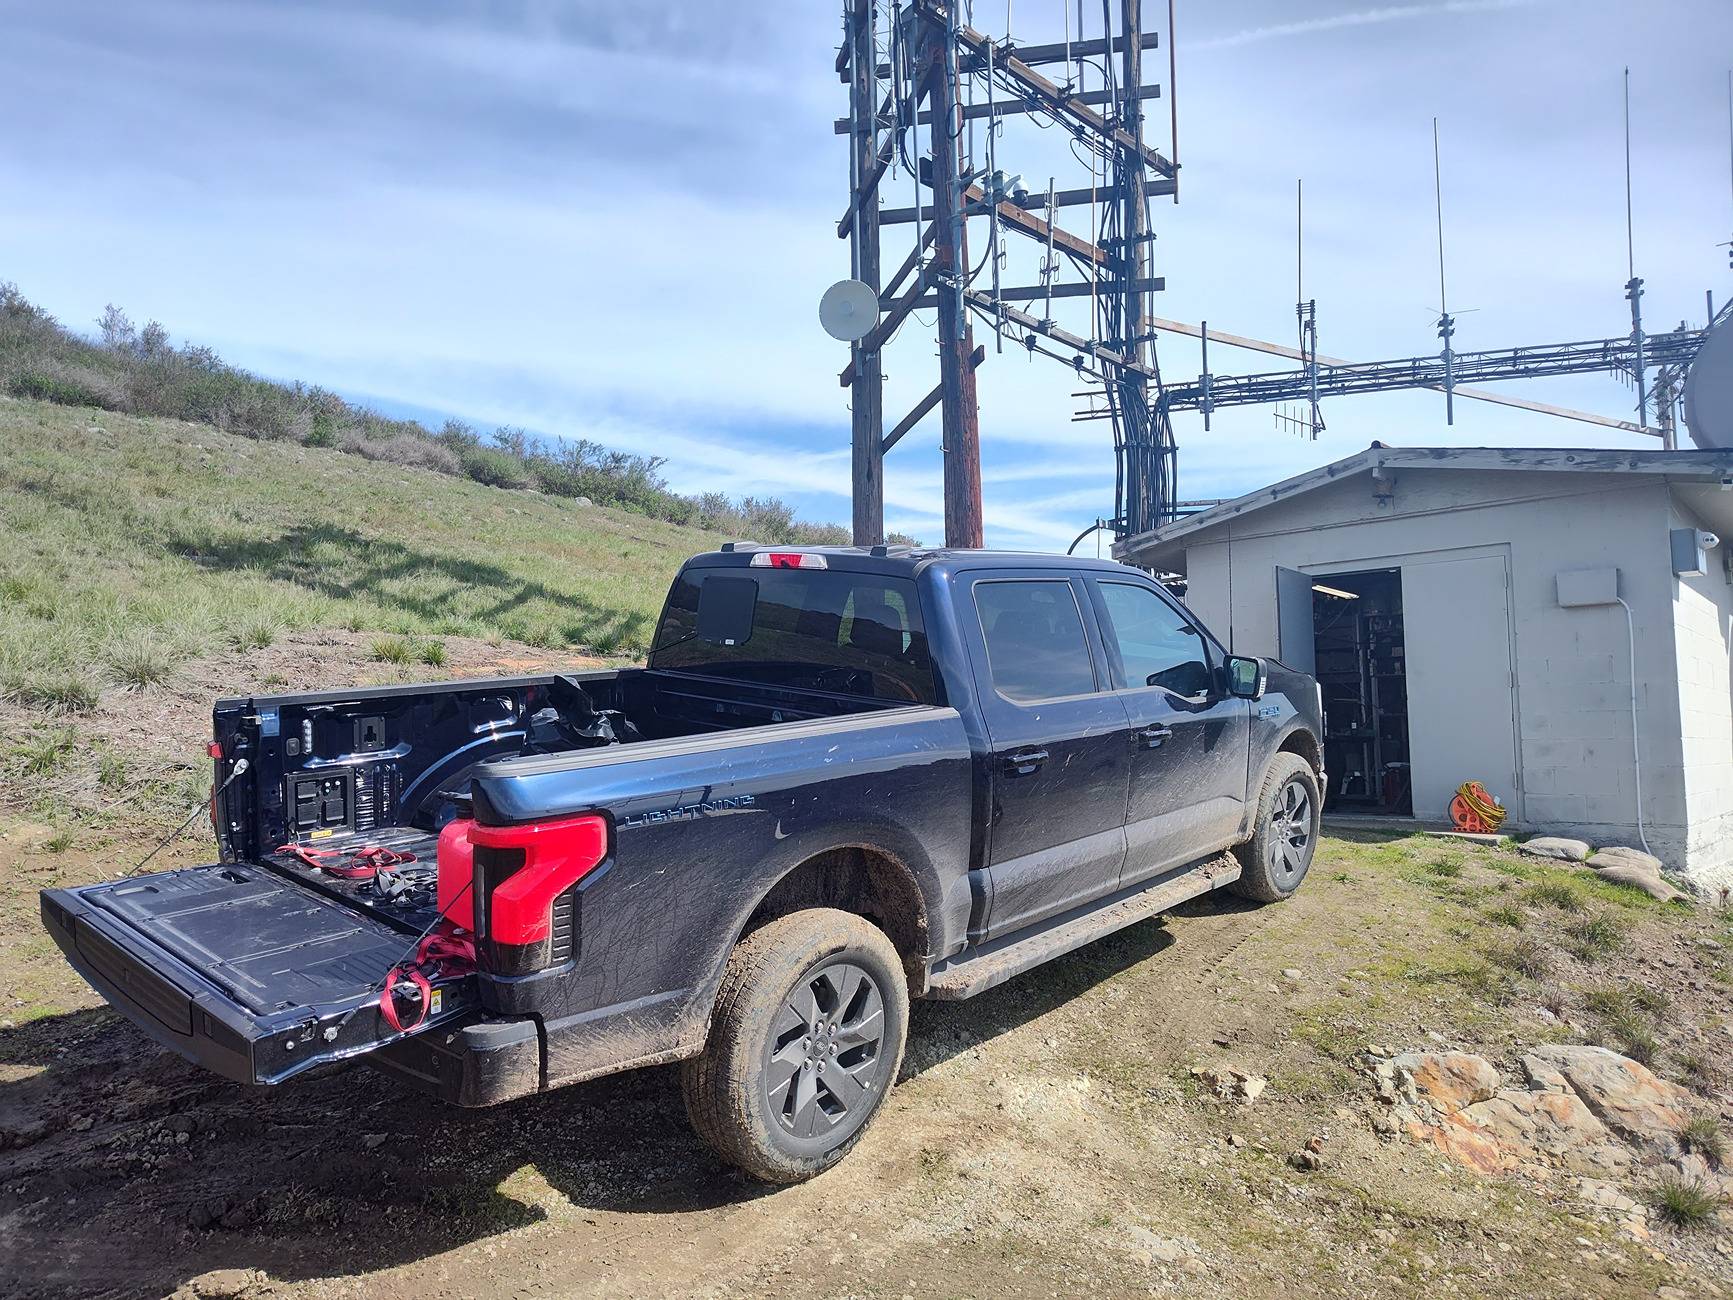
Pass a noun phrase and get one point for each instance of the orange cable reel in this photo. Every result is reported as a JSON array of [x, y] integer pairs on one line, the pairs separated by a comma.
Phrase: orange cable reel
[[1474, 811]]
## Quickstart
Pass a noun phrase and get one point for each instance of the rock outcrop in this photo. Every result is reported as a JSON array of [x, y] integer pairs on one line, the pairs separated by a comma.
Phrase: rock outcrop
[[1586, 1110]]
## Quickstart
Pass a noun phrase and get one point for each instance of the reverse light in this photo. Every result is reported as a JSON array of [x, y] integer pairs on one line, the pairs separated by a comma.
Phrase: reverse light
[[787, 560], [521, 871]]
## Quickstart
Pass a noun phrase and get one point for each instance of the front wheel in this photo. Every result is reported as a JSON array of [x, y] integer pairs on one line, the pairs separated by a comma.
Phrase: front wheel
[[806, 1040], [1285, 836]]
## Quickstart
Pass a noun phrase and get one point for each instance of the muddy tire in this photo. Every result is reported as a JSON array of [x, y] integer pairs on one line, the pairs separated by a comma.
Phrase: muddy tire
[[805, 1041], [1284, 836]]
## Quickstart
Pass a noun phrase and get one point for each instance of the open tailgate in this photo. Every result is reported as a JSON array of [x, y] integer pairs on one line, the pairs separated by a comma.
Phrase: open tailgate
[[242, 970]]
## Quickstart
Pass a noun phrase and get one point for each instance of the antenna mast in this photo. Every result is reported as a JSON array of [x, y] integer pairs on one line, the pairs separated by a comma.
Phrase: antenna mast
[[1634, 286], [1446, 325]]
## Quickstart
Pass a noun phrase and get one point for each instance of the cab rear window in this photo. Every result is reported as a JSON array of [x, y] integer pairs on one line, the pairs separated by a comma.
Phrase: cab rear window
[[828, 630]]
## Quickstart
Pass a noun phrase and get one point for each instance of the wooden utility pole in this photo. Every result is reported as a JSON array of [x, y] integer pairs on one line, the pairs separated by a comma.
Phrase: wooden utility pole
[[957, 399], [868, 396]]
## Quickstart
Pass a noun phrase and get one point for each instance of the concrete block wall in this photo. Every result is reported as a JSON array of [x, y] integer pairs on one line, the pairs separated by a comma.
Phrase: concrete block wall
[[1572, 666], [1702, 622]]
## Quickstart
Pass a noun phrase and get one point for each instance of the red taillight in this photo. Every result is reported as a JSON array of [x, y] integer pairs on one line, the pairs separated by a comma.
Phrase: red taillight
[[455, 873], [557, 854]]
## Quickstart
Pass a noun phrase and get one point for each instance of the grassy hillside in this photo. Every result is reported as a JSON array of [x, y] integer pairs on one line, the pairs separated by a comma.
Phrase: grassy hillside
[[127, 371], [146, 563]]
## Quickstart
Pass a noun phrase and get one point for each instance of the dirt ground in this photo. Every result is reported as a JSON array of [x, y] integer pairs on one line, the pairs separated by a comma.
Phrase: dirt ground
[[1048, 1138]]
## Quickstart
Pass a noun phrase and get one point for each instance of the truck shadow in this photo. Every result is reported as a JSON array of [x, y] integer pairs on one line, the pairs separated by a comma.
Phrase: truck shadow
[[344, 563], [124, 1169]]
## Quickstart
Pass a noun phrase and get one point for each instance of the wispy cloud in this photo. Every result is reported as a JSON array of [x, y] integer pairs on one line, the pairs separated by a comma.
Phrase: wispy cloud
[[1356, 18]]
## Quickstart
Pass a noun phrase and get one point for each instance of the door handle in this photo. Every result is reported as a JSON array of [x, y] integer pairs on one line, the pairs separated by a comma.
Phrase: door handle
[[1151, 737], [1022, 762]]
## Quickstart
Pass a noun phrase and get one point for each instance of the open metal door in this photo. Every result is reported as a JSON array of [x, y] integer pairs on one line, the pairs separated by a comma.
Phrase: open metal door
[[1461, 689], [1295, 643]]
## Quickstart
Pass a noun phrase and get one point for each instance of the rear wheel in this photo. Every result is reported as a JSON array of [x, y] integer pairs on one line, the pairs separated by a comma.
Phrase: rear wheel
[[1285, 836], [806, 1040]]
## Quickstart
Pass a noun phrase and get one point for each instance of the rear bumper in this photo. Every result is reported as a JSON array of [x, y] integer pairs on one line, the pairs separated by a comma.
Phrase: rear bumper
[[481, 1063]]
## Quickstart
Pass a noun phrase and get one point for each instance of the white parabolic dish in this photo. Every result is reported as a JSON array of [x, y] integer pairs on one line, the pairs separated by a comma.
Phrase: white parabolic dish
[[1709, 390], [848, 310]]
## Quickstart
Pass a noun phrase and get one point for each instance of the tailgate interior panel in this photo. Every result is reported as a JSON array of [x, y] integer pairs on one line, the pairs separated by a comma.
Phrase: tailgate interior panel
[[243, 968]]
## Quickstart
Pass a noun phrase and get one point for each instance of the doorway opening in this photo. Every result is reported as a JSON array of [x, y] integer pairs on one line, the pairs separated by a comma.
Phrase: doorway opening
[[1362, 668]]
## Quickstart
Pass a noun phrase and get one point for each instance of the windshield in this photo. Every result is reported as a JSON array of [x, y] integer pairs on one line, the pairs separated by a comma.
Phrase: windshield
[[852, 633]]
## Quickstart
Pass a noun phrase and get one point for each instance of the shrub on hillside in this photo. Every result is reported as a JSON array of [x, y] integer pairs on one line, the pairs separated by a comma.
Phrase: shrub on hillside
[[495, 468], [399, 449]]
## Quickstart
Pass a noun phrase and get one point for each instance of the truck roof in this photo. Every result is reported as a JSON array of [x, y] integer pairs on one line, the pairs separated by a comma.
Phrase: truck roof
[[905, 560]]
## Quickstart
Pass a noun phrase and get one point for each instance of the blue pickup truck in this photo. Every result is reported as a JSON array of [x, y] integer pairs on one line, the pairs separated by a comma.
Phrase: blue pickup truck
[[847, 777]]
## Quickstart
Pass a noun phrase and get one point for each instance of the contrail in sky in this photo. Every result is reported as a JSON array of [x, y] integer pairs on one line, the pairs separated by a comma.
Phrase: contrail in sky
[[1357, 18]]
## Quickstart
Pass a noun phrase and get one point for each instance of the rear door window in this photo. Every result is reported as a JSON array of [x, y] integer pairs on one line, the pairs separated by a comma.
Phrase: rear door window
[[829, 630], [1036, 647]]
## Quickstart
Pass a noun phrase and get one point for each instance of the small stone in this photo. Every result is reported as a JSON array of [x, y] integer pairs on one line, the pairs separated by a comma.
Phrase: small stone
[[1293, 973], [1309, 1161], [82, 1124], [373, 1141], [1236, 1141]]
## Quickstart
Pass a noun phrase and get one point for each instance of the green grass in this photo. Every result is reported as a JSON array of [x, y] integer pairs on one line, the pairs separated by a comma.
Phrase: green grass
[[393, 650], [1562, 894], [259, 632], [1505, 914], [1524, 954], [137, 660], [1684, 1202], [148, 540], [1625, 1019], [1592, 938], [43, 753], [1702, 1136]]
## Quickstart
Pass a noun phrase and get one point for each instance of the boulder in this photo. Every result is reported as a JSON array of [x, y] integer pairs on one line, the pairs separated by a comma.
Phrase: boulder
[[1554, 1127], [1557, 847], [1623, 1094], [1638, 877], [1448, 1080], [1617, 856]]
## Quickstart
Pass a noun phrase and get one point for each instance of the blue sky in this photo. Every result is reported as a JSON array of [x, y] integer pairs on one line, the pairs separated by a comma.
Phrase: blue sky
[[615, 221]]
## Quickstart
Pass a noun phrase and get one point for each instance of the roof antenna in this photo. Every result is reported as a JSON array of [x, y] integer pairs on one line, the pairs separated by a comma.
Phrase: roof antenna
[[1634, 286], [1446, 324], [1306, 309]]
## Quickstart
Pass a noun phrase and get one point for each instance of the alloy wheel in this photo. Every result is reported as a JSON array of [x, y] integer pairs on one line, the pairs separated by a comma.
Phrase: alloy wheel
[[1290, 840], [825, 1055]]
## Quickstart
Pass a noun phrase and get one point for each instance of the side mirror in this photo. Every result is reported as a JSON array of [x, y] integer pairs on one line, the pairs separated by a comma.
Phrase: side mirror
[[1246, 677]]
